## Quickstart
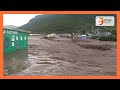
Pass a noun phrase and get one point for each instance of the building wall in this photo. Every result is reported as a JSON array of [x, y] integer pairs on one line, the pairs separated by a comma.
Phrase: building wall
[[14, 40]]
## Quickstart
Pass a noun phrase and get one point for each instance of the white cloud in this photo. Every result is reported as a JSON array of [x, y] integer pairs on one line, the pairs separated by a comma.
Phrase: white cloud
[[17, 19]]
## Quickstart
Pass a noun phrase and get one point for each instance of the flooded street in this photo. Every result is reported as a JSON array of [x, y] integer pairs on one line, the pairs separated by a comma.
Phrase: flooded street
[[15, 62], [62, 57]]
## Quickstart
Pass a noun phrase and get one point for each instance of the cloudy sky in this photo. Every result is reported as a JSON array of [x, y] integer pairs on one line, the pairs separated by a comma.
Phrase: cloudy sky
[[17, 19]]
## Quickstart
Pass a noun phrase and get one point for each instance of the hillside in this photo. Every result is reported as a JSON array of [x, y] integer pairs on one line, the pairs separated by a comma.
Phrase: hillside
[[61, 23]]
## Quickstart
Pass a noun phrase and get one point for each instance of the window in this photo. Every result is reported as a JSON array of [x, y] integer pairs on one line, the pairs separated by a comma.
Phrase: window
[[13, 38], [16, 37], [24, 38], [12, 43], [20, 37]]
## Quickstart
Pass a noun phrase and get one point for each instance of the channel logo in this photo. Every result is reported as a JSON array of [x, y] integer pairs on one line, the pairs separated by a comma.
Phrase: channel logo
[[105, 20], [100, 21]]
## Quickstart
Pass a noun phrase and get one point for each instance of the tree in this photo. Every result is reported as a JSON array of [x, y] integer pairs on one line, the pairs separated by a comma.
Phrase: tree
[[113, 32], [83, 31]]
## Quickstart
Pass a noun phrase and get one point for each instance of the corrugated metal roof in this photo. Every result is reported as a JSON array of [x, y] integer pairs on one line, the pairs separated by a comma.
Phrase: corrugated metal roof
[[15, 29]]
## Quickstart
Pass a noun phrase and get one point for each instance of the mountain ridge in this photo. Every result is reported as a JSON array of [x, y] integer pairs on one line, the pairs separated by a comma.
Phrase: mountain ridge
[[61, 23]]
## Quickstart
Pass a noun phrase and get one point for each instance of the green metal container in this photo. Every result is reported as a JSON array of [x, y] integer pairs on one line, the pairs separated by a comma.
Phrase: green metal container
[[15, 39]]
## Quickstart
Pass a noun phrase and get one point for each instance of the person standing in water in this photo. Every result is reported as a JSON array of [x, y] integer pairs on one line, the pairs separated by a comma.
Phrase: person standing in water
[[73, 37]]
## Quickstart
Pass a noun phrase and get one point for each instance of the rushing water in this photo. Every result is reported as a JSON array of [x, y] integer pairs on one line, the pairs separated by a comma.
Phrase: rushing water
[[51, 58], [15, 62]]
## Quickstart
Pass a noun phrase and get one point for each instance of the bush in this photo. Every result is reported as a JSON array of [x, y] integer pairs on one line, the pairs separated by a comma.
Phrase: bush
[[107, 38], [94, 37]]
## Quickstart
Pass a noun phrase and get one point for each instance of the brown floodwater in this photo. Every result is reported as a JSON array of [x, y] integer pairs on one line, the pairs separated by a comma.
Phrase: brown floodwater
[[15, 62], [61, 57]]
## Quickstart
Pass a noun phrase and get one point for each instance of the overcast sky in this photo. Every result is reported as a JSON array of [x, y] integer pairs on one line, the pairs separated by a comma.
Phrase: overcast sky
[[17, 19]]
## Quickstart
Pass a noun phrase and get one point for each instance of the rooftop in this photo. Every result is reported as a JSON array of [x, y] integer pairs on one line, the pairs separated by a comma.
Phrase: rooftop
[[15, 28]]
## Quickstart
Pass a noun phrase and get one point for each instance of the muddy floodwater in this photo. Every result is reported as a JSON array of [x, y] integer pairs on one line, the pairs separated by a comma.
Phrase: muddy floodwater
[[61, 57], [15, 62]]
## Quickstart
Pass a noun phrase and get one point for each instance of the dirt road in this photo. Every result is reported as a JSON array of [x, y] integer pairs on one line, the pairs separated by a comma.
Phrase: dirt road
[[60, 56]]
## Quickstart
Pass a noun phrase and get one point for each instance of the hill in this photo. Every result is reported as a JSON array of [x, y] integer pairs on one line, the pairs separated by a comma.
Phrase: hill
[[62, 23]]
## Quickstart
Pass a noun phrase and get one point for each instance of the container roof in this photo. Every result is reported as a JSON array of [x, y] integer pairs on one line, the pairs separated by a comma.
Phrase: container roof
[[16, 29]]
